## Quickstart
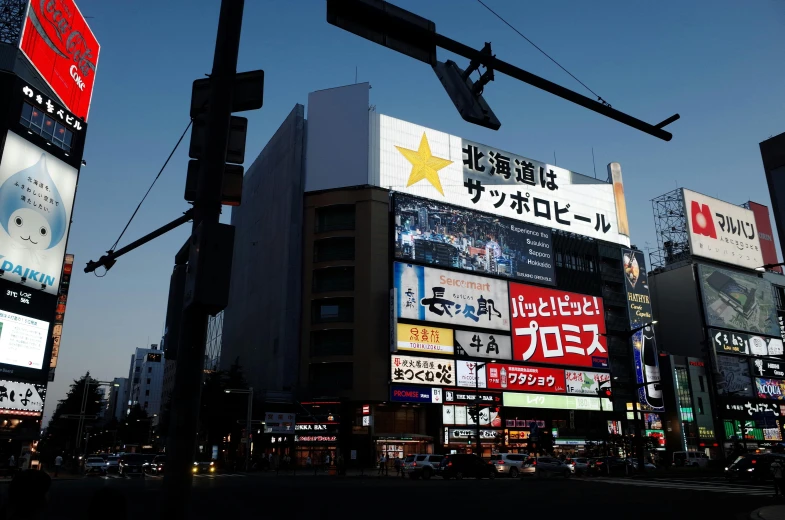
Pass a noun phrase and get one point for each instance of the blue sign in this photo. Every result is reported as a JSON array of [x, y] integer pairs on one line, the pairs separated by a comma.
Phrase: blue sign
[[415, 394]]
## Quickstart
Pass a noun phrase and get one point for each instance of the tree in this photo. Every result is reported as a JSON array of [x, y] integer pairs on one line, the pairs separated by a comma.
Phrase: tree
[[223, 415]]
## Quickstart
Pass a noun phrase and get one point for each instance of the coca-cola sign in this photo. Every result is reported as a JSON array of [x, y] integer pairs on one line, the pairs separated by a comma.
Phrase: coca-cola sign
[[60, 45]]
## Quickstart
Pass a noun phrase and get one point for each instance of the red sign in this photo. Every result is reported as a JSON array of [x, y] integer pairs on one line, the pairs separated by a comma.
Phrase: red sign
[[763, 223], [557, 327], [702, 220], [64, 51], [525, 379]]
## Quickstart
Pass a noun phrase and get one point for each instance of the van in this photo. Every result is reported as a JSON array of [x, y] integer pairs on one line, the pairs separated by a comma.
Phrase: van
[[690, 458]]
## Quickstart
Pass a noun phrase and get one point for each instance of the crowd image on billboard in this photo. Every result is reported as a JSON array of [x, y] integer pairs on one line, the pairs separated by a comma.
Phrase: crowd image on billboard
[[443, 235]]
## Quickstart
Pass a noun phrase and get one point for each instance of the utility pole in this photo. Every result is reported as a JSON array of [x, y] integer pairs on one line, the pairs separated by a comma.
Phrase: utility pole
[[186, 395]]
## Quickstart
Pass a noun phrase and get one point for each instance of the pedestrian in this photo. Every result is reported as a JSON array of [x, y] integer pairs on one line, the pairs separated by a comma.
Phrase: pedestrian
[[58, 463], [327, 461], [384, 464], [397, 465], [28, 494], [381, 464], [778, 472], [11, 461], [308, 462]]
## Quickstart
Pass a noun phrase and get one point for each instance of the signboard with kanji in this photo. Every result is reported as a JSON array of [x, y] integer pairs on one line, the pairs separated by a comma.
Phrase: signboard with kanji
[[430, 340], [588, 383], [275, 422], [423, 370], [525, 379]]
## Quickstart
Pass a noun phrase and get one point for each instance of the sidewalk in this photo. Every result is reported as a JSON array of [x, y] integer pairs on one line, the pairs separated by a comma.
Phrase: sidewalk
[[769, 513]]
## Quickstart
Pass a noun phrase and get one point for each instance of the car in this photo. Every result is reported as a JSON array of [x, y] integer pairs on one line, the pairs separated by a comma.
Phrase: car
[[93, 465], [462, 465], [130, 465], [580, 464], [548, 466], [207, 467], [690, 458], [508, 464], [605, 466], [752, 466], [648, 466], [421, 465], [148, 461], [156, 467], [112, 463]]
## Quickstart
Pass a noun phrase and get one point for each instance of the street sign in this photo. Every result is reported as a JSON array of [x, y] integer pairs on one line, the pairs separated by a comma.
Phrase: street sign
[[247, 93], [235, 149]]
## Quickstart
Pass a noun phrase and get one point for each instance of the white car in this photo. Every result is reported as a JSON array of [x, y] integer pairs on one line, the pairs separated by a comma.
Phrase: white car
[[421, 465], [509, 464], [580, 465], [94, 464]]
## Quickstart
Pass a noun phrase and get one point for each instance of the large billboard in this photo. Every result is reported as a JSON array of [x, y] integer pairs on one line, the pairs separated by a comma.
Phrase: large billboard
[[526, 379], [25, 330], [482, 345], [738, 301], [443, 235], [461, 299], [765, 233], [20, 398], [556, 402], [722, 231], [586, 383], [36, 199], [557, 327], [62, 48], [430, 340], [435, 165], [422, 371], [727, 342], [734, 376], [644, 345]]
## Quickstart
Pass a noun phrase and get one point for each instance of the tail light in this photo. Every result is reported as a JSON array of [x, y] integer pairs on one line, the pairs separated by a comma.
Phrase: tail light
[[500, 463], [534, 463], [414, 464], [754, 461], [449, 464]]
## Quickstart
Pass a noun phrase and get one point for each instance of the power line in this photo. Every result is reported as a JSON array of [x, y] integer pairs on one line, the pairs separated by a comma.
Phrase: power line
[[497, 15], [151, 186]]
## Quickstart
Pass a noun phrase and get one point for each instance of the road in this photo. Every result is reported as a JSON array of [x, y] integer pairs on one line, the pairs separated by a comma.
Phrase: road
[[224, 497]]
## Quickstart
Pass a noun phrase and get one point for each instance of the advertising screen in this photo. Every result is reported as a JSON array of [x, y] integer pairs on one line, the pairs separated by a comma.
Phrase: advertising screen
[[556, 402], [20, 398], [482, 345], [62, 48], [415, 394], [768, 369], [431, 340], [587, 383], [424, 162], [644, 345], [442, 235], [22, 340], [36, 199], [467, 415], [727, 342], [738, 301], [423, 370], [470, 374], [722, 231], [769, 388], [734, 376], [526, 379], [461, 299], [557, 327]]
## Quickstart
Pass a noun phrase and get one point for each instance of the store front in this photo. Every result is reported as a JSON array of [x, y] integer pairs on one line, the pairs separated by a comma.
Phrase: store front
[[400, 446]]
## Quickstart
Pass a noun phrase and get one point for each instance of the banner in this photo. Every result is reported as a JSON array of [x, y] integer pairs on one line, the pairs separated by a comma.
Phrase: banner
[[556, 402], [460, 299], [738, 301], [423, 371], [726, 342], [528, 379], [557, 327], [734, 376], [430, 340], [482, 345], [587, 383], [431, 232]]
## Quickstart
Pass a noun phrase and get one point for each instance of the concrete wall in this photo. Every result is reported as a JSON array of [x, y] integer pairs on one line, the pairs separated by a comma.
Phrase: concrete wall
[[261, 323], [678, 310]]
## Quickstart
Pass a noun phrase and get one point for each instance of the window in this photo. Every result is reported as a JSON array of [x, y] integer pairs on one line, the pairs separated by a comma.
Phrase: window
[[147, 392], [700, 405], [333, 279], [700, 382], [145, 405], [329, 249], [335, 218], [335, 342], [41, 124], [138, 369], [331, 310], [331, 376], [148, 380], [149, 370]]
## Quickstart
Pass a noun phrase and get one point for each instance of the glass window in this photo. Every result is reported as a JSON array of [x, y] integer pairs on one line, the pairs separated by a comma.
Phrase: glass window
[[700, 405], [149, 370], [330, 249], [334, 342], [147, 392], [330, 310], [333, 279], [148, 380], [39, 123], [700, 382], [335, 218], [331, 376]]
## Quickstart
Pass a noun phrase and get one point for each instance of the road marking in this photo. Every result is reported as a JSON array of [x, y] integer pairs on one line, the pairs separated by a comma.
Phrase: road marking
[[691, 485]]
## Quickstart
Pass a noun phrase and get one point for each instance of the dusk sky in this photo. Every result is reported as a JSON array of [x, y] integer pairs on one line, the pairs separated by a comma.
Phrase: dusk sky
[[718, 64]]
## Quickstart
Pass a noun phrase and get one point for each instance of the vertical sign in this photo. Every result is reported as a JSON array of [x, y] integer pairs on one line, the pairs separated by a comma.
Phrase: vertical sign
[[647, 370], [62, 300], [765, 234]]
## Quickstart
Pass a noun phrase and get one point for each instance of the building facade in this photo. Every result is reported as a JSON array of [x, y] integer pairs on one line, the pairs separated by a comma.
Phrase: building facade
[[146, 376], [117, 405]]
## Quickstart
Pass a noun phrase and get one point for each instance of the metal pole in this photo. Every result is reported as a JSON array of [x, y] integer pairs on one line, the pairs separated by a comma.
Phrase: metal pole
[[186, 397], [248, 429], [477, 401], [81, 417]]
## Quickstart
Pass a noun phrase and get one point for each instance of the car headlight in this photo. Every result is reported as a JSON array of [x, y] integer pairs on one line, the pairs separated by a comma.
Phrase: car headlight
[[751, 469], [212, 468], [194, 470]]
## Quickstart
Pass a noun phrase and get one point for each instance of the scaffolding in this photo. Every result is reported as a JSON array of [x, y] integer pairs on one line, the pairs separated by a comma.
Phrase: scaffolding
[[12, 15], [670, 223]]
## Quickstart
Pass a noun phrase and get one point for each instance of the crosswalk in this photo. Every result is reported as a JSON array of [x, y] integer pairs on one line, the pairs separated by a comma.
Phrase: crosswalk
[[713, 485], [199, 476]]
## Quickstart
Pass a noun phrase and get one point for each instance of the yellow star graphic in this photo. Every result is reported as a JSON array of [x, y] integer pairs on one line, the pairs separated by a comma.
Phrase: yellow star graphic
[[424, 165]]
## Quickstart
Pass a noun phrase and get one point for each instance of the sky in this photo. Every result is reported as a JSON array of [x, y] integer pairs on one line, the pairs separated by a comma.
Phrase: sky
[[718, 64]]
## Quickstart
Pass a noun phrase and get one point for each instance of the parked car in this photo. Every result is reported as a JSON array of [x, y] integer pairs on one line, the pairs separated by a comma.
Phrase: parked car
[[462, 465], [156, 467], [648, 466], [529, 466], [93, 465], [421, 465], [580, 464], [690, 458], [112, 463], [130, 464], [508, 464], [204, 467], [752, 466], [606, 466], [548, 466]]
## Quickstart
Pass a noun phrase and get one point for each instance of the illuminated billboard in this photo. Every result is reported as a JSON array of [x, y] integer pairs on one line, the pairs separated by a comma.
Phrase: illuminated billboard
[[525, 379], [22, 340], [557, 327], [727, 342], [587, 383], [20, 398], [482, 345], [443, 235], [556, 402], [421, 161], [461, 299], [722, 231], [62, 48], [36, 199], [430, 340], [422, 371]]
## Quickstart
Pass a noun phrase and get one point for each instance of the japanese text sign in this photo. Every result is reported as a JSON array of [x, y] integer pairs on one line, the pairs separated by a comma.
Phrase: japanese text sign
[[427, 294], [435, 165], [769, 369], [423, 371], [275, 422], [62, 48], [36, 198], [21, 398], [587, 383], [557, 327], [734, 376], [727, 342], [770, 388], [482, 345], [42, 103], [22, 340], [435, 233], [471, 374], [527, 379], [415, 394], [556, 402], [722, 231], [747, 410], [431, 340]]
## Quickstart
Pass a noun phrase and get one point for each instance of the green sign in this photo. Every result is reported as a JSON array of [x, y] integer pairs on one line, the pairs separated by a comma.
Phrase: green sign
[[556, 402]]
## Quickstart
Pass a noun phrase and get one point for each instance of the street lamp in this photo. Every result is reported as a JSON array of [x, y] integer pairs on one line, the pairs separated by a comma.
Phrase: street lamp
[[249, 391], [88, 382]]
